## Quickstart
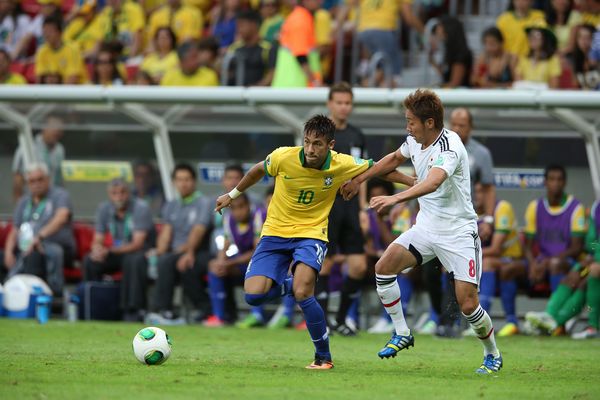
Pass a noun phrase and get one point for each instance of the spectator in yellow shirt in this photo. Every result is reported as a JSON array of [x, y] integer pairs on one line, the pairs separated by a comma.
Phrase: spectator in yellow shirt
[[542, 64], [83, 29], [512, 24], [122, 21], [164, 58], [190, 71], [590, 12], [57, 58], [272, 20], [185, 21], [7, 77], [106, 72]]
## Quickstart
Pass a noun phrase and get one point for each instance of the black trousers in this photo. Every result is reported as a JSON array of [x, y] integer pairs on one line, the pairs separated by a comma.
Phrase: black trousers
[[442, 301], [192, 280], [134, 283]]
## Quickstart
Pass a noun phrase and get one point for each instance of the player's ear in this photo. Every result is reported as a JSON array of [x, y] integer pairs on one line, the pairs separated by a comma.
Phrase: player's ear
[[429, 123], [331, 144]]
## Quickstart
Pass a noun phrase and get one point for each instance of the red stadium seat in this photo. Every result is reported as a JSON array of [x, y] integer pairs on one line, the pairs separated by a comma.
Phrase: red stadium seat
[[5, 228], [83, 238]]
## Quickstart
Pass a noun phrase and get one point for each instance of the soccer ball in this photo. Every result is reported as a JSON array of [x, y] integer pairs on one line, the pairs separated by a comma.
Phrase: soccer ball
[[152, 346]]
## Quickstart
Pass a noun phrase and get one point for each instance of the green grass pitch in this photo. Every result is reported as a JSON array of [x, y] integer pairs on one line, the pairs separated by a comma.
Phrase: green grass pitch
[[84, 360]]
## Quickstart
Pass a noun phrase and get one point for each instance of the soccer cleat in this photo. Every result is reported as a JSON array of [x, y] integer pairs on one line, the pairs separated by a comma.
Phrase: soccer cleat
[[213, 322], [429, 328], [490, 364], [509, 329], [343, 329], [320, 363], [301, 326], [280, 323], [382, 326], [541, 321], [589, 333], [251, 321], [395, 344]]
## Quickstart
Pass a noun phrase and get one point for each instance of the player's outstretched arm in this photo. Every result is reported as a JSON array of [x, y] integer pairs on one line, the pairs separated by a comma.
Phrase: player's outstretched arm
[[256, 173], [434, 179], [399, 177], [382, 167]]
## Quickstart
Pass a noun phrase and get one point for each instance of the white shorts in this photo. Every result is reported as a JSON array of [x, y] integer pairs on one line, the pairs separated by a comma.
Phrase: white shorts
[[459, 252]]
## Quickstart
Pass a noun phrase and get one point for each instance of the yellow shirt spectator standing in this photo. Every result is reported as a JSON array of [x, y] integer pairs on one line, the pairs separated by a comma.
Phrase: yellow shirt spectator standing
[[190, 72], [122, 20], [164, 58], [542, 64], [55, 57], [185, 21], [83, 29], [513, 22], [7, 77]]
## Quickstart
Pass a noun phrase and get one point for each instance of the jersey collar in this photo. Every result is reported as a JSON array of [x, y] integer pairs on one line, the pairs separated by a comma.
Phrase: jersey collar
[[326, 164]]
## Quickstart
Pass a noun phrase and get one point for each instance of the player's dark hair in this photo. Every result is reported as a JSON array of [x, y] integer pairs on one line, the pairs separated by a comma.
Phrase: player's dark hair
[[555, 167], [250, 16], [184, 167], [380, 183], [494, 32], [234, 167], [320, 125], [340, 87], [54, 21], [426, 104]]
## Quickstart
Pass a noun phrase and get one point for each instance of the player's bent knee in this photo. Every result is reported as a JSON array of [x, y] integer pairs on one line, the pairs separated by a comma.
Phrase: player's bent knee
[[255, 299], [395, 260]]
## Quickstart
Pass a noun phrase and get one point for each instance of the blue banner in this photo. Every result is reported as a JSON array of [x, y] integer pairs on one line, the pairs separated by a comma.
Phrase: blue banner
[[519, 179]]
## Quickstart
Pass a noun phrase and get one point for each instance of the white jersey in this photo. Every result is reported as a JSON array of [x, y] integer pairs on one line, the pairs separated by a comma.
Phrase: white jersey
[[448, 208]]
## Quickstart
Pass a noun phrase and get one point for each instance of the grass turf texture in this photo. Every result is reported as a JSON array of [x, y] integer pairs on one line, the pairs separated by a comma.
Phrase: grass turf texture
[[96, 361]]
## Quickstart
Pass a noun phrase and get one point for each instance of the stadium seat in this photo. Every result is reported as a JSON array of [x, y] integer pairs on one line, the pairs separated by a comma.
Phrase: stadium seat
[[83, 238], [4, 230]]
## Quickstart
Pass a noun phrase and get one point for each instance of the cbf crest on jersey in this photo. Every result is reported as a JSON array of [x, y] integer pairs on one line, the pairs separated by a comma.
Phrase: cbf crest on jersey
[[327, 181]]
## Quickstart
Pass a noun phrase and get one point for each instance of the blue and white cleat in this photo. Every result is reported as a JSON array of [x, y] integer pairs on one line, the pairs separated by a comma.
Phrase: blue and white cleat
[[395, 344], [490, 365]]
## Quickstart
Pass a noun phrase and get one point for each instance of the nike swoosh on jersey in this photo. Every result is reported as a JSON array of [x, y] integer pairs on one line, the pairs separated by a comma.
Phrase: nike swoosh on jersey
[[287, 177]]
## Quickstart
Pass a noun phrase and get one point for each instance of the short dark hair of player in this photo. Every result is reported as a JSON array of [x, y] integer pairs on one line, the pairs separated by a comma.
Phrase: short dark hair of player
[[250, 16], [184, 167], [387, 186], [555, 167], [54, 21], [320, 125], [340, 87], [234, 167], [493, 32], [425, 104]]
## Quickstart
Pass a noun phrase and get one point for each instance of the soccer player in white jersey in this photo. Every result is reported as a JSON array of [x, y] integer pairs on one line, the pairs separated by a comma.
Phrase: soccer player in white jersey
[[446, 225]]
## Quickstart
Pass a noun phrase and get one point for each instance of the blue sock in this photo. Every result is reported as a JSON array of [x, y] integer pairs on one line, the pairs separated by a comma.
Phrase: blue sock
[[508, 293], [216, 290], [354, 308], [289, 303], [258, 299], [316, 325], [487, 289], [406, 289], [555, 281], [433, 315], [257, 311]]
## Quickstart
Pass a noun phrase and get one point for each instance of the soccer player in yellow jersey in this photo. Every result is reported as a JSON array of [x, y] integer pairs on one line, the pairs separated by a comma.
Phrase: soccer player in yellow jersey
[[295, 232], [502, 258]]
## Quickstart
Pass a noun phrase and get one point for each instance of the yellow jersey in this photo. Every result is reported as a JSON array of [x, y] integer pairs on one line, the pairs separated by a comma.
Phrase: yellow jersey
[[81, 33], [14, 79], [304, 196], [123, 26], [513, 30], [380, 14], [157, 67], [203, 77], [187, 22], [540, 71], [506, 223], [65, 61]]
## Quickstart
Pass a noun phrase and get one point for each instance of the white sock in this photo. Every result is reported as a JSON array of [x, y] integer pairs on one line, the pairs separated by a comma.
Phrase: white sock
[[481, 323], [389, 293]]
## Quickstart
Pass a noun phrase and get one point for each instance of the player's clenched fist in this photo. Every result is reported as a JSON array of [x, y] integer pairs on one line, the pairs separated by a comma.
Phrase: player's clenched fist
[[222, 202], [349, 189]]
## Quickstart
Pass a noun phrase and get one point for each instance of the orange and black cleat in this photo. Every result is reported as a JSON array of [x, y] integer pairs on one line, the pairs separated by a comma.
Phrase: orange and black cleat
[[320, 363]]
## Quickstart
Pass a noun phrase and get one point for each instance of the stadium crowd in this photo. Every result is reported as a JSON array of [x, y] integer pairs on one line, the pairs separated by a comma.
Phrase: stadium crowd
[[284, 43], [556, 253]]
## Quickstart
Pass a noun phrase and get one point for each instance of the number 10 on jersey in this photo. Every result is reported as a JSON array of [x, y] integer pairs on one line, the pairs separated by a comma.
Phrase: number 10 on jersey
[[306, 196]]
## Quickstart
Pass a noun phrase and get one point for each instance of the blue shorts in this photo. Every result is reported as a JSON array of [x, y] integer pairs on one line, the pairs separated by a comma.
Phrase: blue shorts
[[274, 255]]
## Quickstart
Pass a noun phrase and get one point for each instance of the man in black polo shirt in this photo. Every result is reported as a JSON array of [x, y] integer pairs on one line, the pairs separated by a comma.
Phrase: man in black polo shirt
[[345, 235], [257, 56]]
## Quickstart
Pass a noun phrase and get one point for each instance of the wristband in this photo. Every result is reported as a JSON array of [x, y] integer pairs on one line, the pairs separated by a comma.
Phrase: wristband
[[234, 193], [488, 219]]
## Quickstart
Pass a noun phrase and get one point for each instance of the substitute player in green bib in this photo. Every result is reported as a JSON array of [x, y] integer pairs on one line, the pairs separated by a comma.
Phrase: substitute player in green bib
[[295, 232]]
